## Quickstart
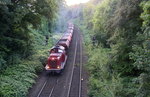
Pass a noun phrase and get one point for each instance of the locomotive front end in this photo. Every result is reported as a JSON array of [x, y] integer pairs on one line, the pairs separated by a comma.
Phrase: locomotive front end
[[54, 63]]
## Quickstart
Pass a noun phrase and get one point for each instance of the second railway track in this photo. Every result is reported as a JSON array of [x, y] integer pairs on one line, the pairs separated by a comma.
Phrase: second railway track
[[75, 84]]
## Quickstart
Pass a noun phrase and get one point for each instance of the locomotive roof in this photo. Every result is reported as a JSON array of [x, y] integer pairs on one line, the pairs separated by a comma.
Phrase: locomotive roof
[[56, 54], [58, 46]]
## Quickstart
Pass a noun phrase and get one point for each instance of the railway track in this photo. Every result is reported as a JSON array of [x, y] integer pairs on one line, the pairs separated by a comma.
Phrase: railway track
[[75, 84], [81, 55], [48, 88]]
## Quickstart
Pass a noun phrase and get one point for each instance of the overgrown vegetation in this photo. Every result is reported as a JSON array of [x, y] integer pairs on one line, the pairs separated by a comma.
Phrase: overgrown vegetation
[[26, 28], [118, 45]]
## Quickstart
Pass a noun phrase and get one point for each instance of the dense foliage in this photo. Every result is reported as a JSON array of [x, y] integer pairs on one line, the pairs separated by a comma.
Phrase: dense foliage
[[120, 33], [16, 15], [25, 30]]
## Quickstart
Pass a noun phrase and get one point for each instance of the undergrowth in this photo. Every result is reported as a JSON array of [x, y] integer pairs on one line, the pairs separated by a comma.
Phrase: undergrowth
[[16, 80], [116, 36], [103, 81]]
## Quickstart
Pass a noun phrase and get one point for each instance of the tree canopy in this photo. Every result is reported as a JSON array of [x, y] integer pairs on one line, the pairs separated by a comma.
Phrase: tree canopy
[[121, 29]]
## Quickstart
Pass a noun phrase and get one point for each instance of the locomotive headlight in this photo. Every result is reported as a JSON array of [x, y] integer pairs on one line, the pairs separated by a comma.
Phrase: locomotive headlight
[[58, 67], [58, 57], [53, 58], [47, 67]]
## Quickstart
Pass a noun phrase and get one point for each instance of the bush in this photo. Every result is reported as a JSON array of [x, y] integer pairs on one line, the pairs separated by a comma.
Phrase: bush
[[15, 81], [103, 83]]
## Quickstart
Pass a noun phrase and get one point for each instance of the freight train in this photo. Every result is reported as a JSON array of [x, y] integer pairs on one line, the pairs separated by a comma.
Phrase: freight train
[[58, 53]]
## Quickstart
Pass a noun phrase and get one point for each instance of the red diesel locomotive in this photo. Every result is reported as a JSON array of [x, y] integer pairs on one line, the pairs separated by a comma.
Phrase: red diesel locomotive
[[56, 59], [58, 54]]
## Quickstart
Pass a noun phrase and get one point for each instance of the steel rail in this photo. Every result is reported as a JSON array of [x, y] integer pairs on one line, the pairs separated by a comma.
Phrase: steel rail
[[80, 82], [42, 88], [53, 89]]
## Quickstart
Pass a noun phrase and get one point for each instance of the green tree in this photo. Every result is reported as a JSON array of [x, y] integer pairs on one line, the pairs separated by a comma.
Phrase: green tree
[[16, 16]]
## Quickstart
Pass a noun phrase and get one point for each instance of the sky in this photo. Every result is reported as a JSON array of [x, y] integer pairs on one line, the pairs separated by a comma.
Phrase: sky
[[72, 2]]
